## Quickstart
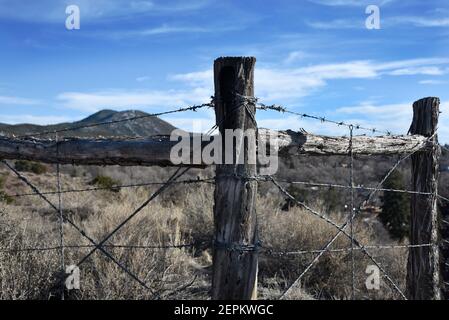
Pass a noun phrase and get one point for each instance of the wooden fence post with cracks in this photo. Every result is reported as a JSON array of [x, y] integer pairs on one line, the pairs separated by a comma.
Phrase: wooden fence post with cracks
[[423, 272], [236, 240]]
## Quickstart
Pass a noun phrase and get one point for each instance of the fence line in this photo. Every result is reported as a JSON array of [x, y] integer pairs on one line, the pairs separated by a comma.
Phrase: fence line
[[81, 231], [110, 246], [341, 230], [283, 109], [98, 246], [260, 178], [263, 249], [190, 108], [247, 102], [320, 252], [116, 187]]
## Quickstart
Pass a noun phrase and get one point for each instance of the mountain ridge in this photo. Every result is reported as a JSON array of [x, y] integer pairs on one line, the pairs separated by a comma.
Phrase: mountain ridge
[[146, 126]]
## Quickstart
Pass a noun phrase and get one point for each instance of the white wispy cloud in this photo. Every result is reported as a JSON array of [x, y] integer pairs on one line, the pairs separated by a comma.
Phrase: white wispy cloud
[[54, 11], [195, 78], [391, 117], [273, 85], [142, 78], [337, 24], [431, 71], [287, 84], [203, 123], [269, 83], [413, 21], [383, 111], [164, 29], [28, 118], [91, 102], [418, 21], [8, 100], [351, 3], [432, 82], [409, 63], [295, 56]]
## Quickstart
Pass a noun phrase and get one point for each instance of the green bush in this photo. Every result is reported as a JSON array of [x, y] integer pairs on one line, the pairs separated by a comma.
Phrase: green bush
[[5, 197], [298, 193], [333, 199], [105, 182], [29, 166], [395, 214]]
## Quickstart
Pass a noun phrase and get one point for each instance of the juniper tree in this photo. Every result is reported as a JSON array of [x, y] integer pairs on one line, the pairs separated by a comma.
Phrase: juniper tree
[[395, 214]]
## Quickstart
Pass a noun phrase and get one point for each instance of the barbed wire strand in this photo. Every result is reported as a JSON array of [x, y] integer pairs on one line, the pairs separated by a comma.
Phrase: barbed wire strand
[[325, 249], [116, 187], [264, 250], [175, 176], [340, 186], [92, 125], [239, 104], [244, 100], [110, 246], [341, 230], [444, 147], [212, 181], [354, 214], [443, 198], [271, 251], [282, 109], [74, 225]]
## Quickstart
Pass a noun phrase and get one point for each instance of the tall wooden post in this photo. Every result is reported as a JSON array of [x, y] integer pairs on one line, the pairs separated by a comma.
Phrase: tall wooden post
[[444, 249], [236, 240], [423, 274]]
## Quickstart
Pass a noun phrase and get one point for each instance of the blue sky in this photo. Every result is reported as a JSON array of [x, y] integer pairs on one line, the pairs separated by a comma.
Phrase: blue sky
[[313, 56]]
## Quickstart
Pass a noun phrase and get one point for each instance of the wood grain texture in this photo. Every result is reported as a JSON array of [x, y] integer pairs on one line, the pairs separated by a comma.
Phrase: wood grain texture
[[156, 150], [235, 221], [423, 274]]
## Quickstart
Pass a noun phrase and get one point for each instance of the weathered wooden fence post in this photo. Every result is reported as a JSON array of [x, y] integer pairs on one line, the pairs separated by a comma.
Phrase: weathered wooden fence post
[[236, 239], [444, 249], [423, 272]]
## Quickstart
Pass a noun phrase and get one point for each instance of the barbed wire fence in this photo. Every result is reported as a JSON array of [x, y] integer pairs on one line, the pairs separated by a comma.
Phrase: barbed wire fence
[[104, 246]]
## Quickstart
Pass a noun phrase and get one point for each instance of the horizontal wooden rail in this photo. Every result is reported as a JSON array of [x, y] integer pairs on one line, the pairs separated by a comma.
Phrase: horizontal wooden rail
[[297, 143], [156, 150]]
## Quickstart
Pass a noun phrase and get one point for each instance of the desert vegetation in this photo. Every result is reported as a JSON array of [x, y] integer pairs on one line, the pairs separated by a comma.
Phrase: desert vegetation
[[181, 215]]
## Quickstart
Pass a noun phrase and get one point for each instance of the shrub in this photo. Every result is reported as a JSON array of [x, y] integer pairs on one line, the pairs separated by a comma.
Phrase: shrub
[[298, 193], [395, 213], [29, 166], [105, 182], [5, 197]]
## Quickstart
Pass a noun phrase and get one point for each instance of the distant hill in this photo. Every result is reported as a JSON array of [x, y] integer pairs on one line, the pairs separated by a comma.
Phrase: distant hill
[[147, 126]]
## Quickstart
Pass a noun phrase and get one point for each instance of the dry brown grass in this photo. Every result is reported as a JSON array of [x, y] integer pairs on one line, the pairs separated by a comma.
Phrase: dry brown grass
[[29, 222], [331, 276]]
